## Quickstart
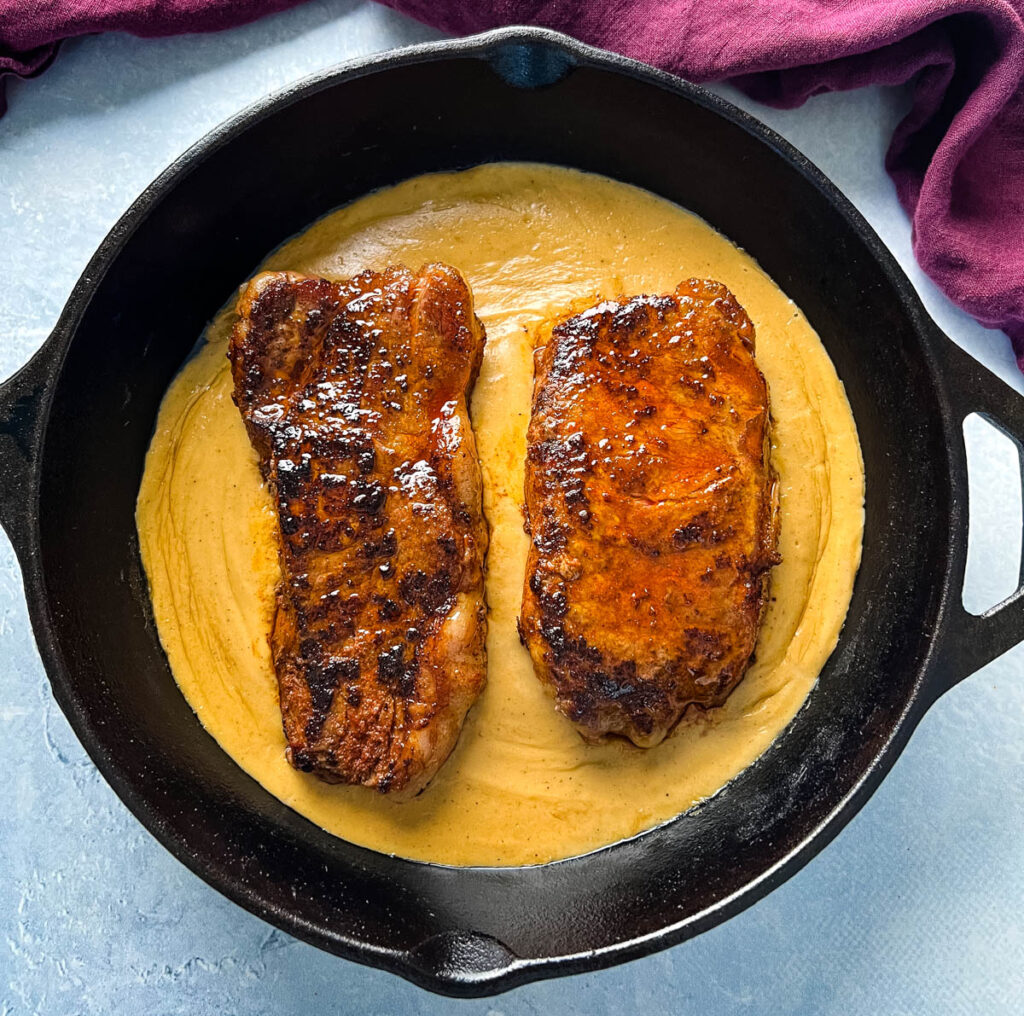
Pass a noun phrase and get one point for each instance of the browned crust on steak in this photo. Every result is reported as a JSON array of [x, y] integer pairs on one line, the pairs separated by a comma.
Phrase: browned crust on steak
[[354, 395], [652, 509]]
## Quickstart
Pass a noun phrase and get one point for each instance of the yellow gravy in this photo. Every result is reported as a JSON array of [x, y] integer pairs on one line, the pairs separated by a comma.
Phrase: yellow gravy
[[521, 787]]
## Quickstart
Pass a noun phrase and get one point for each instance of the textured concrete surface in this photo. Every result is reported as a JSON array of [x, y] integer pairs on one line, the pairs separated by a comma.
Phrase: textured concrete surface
[[915, 909]]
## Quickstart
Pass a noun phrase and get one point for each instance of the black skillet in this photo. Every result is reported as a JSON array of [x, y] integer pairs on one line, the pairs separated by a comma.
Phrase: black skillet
[[76, 421]]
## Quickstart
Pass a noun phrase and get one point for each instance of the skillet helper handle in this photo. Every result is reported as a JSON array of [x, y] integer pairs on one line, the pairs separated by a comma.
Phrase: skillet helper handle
[[22, 405], [973, 640]]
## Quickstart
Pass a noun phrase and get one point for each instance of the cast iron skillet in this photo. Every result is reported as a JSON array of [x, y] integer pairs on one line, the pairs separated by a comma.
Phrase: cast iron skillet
[[76, 421]]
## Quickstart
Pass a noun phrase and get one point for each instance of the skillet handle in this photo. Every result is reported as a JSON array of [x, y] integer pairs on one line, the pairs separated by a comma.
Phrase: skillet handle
[[971, 640], [23, 403]]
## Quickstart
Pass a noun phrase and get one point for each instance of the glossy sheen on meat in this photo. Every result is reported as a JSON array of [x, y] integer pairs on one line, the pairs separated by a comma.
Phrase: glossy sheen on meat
[[651, 505], [354, 394]]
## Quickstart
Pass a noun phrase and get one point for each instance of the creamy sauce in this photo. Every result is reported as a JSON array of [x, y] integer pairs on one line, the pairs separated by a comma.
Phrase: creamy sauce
[[521, 787]]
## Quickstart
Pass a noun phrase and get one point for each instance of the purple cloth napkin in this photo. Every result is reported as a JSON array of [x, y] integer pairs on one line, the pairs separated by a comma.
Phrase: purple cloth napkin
[[957, 159]]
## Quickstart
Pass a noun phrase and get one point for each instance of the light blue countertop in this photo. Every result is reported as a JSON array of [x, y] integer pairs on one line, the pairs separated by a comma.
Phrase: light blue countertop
[[915, 909]]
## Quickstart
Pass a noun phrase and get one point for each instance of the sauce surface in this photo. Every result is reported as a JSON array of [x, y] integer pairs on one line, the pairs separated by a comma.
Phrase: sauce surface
[[521, 786]]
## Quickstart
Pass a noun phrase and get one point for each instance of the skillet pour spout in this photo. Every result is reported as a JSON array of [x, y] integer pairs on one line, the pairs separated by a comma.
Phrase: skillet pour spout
[[76, 422]]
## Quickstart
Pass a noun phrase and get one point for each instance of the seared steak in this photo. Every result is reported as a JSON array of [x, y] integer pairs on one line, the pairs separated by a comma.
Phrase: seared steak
[[651, 505], [354, 395]]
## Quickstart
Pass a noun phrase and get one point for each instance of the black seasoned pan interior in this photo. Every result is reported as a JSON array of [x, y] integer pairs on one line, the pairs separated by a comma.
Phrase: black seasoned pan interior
[[74, 428]]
